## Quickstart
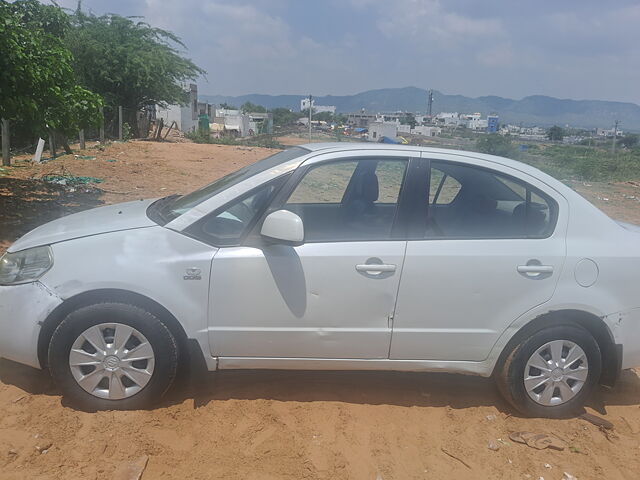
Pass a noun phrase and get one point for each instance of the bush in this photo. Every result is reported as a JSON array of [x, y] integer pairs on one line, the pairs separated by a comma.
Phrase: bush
[[590, 164], [496, 144], [265, 141], [127, 134]]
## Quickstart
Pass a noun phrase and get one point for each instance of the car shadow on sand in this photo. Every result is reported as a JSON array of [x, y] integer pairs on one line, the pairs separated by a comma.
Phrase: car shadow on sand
[[405, 389], [28, 203]]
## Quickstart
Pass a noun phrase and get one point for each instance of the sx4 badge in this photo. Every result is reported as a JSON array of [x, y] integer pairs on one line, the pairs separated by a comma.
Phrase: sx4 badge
[[193, 274]]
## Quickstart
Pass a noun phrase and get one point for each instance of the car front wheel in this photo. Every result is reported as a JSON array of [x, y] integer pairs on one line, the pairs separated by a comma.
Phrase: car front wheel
[[552, 372], [112, 356]]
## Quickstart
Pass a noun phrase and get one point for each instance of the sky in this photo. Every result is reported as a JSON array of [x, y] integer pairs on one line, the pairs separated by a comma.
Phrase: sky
[[580, 49]]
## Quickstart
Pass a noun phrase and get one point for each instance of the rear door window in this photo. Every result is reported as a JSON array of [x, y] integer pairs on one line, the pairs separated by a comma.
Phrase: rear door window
[[472, 202]]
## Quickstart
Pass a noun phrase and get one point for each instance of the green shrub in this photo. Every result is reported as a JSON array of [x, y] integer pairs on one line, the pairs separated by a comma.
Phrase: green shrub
[[496, 144]]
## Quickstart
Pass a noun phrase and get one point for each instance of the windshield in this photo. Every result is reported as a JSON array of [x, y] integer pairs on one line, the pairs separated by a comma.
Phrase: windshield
[[176, 206]]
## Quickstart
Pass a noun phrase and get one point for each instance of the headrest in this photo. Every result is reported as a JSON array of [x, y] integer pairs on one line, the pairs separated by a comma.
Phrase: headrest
[[367, 188], [536, 221], [520, 210]]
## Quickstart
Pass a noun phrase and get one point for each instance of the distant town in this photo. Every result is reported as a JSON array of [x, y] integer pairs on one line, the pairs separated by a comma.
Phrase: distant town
[[390, 127]]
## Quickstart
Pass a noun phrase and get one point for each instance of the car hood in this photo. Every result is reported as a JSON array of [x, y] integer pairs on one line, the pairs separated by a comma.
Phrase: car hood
[[630, 226], [111, 218]]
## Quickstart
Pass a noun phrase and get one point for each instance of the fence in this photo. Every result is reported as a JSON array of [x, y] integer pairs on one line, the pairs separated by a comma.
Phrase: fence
[[118, 123]]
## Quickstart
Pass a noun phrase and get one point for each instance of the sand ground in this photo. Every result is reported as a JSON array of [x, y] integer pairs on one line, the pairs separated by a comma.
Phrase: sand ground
[[283, 425]]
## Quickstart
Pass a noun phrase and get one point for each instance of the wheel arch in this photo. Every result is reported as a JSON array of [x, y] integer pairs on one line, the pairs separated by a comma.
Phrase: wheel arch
[[92, 297], [611, 354]]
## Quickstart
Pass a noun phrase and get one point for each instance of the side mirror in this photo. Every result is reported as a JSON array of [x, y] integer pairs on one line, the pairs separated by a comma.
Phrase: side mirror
[[283, 226]]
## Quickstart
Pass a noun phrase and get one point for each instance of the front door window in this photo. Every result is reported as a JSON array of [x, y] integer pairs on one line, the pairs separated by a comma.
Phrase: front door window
[[349, 200]]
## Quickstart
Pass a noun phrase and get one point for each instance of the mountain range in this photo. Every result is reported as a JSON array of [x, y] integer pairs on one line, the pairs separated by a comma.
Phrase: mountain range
[[532, 110]]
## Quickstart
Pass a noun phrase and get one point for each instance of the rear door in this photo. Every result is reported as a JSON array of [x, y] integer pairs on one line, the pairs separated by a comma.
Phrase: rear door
[[493, 248]]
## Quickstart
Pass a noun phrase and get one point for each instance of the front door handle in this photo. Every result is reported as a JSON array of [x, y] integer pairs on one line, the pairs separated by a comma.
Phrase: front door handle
[[375, 267]]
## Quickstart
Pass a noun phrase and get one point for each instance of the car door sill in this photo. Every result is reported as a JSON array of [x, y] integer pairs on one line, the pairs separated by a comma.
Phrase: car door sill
[[483, 368]]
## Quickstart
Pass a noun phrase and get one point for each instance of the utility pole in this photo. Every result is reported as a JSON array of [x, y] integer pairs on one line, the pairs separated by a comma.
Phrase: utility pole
[[6, 158], [101, 125], [310, 103], [615, 136], [430, 103], [120, 123]]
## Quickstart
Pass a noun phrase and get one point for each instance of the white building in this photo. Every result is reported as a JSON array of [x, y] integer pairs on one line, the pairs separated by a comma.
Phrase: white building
[[233, 120], [448, 118], [603, 132], [260, 123], [473, 121], [304, 105], [533, 131], [426, 131], [377, 130], [185, 116]]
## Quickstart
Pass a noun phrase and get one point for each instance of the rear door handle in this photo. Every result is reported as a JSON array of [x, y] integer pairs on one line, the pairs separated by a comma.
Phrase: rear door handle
[[373, 268], [534, 270]]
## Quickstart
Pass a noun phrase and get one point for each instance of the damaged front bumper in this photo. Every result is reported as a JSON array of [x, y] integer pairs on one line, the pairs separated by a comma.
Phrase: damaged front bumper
[[23, 308]]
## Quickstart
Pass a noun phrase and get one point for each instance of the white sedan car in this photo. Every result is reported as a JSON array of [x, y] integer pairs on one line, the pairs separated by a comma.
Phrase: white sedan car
[[334, 257]]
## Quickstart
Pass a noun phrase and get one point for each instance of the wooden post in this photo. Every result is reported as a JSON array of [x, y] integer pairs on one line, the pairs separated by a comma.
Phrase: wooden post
[[38, 155], [120, 123], [101, 125], [6, 159], [83, 145], [170, 127], [52, 145], [159, 131]]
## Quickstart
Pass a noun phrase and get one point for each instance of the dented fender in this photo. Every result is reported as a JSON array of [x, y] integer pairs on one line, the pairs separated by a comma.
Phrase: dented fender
[[625, 328], [23, 308]]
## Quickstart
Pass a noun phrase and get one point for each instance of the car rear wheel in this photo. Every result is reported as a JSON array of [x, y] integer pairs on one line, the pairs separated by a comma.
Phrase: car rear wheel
[[552, 372], [112, 356]]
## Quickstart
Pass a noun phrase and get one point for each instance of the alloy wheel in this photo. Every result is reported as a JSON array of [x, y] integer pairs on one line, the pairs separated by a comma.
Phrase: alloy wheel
[[556, 372], [112, 361]]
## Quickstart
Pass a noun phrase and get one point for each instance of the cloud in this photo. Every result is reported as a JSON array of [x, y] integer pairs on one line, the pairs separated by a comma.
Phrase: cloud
[[429, 19], [496, 56], [568, 49]]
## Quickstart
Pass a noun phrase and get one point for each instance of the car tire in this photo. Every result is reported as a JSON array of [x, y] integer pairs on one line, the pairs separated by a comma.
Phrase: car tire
[[519, 373], [153, 369]]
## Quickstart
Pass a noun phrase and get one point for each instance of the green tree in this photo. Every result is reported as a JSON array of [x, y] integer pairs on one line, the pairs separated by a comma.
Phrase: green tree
[[228, 106], [630, 140], [409, 119], [37, 84], [323, 116], [555, 133], [495, 144], [283, 117], [129, 63], [248, 107]]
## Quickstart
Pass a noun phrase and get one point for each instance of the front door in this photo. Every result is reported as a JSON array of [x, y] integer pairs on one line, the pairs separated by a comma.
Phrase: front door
[[333, 296], [493, 249]]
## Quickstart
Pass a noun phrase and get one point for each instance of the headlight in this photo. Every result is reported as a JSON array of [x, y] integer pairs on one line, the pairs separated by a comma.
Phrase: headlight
[[25, 266]]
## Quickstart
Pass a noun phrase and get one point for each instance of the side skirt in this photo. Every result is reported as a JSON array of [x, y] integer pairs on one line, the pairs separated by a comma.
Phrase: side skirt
[[471, 368]]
